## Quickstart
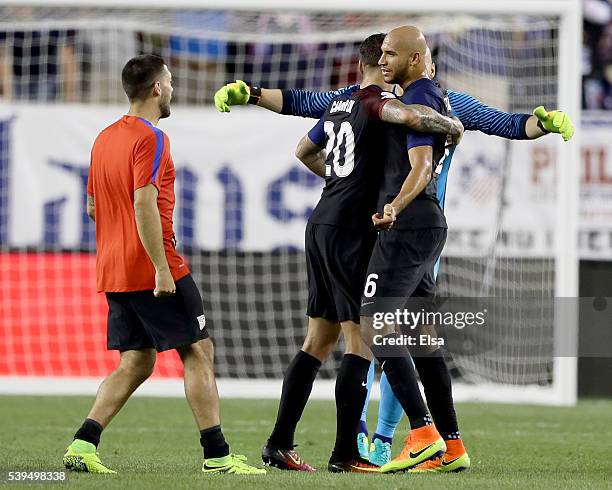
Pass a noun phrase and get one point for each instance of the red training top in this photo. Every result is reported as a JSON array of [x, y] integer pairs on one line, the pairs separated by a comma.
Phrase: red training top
[[128, 155]]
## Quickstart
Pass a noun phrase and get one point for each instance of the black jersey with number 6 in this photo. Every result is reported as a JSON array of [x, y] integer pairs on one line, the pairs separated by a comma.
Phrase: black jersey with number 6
[[424, 211], [351, 132]]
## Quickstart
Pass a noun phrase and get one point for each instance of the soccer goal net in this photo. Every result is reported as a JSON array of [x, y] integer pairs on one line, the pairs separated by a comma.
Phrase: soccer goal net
[[242, 198]]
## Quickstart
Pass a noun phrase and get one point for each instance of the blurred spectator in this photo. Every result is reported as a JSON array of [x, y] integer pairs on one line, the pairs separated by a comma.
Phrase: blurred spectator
[[196, 60], [286, 64], [597, 55], [37, 64]]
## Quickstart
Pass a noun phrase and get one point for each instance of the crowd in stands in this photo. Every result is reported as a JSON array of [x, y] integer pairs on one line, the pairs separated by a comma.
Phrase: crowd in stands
[[55, 64]]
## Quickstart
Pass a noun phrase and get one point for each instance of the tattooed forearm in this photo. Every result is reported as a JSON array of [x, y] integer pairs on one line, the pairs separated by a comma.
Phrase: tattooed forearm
[[420, 118]]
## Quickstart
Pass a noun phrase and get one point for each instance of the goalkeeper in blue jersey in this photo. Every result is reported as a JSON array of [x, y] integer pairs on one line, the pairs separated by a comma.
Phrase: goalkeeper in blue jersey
[[432, 369]]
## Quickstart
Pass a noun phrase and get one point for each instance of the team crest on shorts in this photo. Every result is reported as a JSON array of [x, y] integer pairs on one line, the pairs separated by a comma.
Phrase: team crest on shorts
[[202, 321]]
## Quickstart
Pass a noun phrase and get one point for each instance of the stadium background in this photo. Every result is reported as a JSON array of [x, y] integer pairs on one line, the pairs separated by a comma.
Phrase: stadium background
[[242, 199]]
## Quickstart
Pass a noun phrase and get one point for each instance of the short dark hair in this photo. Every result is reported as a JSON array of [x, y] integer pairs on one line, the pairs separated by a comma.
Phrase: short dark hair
[[369, 50], [139, 73]]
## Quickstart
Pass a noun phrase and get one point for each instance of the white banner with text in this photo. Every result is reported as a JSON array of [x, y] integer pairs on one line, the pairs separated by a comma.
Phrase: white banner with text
[[239, 185]]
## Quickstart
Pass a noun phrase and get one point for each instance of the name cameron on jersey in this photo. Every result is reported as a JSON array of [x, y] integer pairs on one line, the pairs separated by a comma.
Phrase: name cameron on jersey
[[342, 106]]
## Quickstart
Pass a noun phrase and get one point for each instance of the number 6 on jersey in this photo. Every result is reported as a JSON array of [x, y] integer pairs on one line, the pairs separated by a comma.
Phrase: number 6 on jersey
[[370, 286]]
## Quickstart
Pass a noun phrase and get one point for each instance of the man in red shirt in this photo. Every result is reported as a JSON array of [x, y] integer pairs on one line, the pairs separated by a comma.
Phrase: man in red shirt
[[154, 304]]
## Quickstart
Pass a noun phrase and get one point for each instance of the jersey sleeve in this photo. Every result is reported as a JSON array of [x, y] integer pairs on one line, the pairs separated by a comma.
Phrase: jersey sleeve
[[374, 102], [148, 160], [317, 133], [476, 116], [306, 103], [429, 98]]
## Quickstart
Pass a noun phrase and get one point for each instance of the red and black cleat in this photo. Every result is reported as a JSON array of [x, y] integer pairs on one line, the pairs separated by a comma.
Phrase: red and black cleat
[[355, 466], [284, 459]]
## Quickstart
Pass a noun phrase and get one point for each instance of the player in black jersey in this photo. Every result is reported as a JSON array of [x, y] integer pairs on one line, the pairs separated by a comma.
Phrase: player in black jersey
[[339, 241], [404, 254]]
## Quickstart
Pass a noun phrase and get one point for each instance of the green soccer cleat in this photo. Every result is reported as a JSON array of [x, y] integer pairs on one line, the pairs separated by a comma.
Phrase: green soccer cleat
[[362, 445], [380, 452], [82, 456], [423, 443], [231, 464]]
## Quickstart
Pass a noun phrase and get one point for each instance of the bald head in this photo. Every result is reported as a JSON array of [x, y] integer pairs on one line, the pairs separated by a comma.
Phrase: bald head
[[411, 37], [403, 55]]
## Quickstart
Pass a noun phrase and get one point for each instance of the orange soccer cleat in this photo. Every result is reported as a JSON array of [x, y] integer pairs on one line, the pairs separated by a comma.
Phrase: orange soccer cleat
[[455, 459], [421, 445]]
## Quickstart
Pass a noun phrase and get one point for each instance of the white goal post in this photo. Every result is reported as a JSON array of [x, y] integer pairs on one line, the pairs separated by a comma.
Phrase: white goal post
[[563, 389]]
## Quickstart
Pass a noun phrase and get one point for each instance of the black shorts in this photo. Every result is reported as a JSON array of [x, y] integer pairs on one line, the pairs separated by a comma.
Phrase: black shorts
[[336, 260], [401, 267], [139, 320]]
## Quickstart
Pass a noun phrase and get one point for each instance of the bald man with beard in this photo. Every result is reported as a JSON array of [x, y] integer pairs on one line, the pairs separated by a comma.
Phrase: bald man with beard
[[429, 362], [412, 235]]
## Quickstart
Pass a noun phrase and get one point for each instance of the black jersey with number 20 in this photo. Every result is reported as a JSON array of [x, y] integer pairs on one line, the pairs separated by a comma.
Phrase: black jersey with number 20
[[351, 132]]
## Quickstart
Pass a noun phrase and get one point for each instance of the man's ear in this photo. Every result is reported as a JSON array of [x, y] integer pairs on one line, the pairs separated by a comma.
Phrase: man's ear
[[360, 64], [156, 89], [416, 58]]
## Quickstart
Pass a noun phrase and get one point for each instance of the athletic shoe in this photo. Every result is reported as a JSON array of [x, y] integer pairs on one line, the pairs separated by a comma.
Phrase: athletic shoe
[[284, 459], [380, 452], [423, 443], [362, 445], [354, 466], [455, 459], [82, 456], [234, 464]]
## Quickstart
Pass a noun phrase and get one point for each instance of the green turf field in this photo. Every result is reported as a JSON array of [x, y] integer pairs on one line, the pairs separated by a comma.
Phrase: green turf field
[[153, 444]]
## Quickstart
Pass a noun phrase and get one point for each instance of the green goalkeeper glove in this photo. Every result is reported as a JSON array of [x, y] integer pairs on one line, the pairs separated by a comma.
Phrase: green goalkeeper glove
[[235, 93], [555, 122]]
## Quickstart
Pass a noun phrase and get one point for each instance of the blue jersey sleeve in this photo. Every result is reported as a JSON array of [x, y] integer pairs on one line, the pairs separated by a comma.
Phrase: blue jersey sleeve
[[476, 116], [425, 96], [310, 104], [317, 133]]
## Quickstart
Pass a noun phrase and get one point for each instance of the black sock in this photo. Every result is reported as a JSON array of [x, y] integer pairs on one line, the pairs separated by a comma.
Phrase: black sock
[[90, 431], [449, 436], [297, 385], [213, 442], [436, 381], [396, 363], [351, 392]]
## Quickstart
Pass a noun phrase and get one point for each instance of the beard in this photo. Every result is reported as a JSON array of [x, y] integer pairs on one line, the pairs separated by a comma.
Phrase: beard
[[400, 75], [164, 111]]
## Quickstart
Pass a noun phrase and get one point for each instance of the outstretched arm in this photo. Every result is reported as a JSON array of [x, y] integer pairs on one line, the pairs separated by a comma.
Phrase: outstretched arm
[[477, 116], [291, 102], [306, 103], [313, 104]]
